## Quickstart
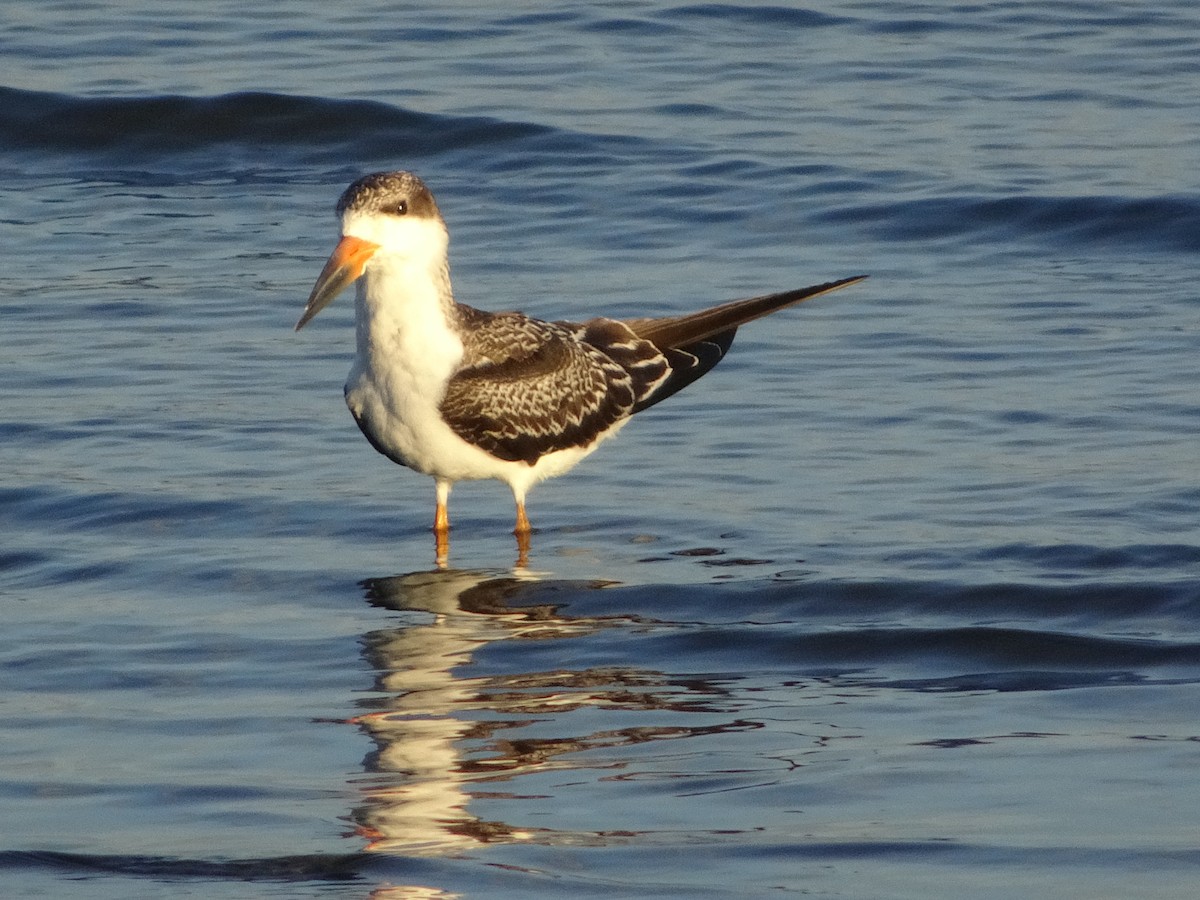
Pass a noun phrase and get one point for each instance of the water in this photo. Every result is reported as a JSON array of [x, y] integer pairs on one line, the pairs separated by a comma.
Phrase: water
[[901, 601]]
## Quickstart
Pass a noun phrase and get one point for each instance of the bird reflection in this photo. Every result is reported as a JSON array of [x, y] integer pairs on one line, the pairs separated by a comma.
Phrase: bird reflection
[[444, 738]]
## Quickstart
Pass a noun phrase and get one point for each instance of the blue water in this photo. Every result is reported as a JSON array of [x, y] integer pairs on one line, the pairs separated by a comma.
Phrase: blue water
[[900, 601]]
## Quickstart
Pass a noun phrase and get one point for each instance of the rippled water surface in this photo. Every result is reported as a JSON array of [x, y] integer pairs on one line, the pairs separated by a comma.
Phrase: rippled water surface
[[900, 601]]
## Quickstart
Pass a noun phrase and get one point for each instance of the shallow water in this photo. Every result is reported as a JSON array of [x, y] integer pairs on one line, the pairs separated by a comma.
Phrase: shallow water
[[901, 601]]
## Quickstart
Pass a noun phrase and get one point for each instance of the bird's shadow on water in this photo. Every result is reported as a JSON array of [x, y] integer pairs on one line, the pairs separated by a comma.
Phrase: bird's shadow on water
[[451, 734]]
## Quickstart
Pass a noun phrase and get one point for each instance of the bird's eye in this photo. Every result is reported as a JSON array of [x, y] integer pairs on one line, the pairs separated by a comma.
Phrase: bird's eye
[[399, 208]]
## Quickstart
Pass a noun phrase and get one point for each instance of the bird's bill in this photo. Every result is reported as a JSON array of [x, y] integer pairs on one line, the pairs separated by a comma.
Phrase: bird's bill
[[344, 265]]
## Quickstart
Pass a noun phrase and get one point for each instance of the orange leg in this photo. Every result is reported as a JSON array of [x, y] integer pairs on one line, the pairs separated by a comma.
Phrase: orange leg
[[522, 531], [522, 520], [441, 524]]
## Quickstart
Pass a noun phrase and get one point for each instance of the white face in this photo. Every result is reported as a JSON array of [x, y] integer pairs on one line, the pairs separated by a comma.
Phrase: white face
[[414, 238]]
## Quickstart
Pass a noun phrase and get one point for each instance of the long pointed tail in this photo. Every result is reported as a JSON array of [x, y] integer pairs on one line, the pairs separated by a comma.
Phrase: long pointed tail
[[679, 331]]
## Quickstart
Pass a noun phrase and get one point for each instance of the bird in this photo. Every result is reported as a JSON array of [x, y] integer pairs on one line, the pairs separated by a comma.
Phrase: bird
[[459, 393]]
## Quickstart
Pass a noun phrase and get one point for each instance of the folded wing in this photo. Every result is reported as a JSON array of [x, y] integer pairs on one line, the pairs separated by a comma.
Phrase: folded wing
[[526, 387]]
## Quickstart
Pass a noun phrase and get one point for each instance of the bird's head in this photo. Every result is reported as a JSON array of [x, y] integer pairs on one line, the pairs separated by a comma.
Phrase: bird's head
[[390, 215]]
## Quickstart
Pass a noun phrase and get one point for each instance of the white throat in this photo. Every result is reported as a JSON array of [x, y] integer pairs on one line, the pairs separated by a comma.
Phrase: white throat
[[403, 307]]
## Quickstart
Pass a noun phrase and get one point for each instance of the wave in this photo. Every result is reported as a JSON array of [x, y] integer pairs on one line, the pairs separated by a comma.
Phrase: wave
[[1002, 651], [314, 867], [295, 129], [766, 15], [1169, 222]]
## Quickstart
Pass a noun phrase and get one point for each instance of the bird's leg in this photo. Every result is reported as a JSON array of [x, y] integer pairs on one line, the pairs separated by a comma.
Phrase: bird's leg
[[522, 531], [441, 524], [441, 519], [523, 527]]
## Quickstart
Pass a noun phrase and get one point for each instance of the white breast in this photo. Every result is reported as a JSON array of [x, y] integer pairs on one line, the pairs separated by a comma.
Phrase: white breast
[[406, 353]]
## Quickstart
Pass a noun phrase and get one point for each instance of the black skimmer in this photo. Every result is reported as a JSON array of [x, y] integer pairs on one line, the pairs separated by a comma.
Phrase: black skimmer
[[460, 394]]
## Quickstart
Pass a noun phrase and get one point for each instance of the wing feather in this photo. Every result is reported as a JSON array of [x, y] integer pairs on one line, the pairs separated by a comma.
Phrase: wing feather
[[527, 388]]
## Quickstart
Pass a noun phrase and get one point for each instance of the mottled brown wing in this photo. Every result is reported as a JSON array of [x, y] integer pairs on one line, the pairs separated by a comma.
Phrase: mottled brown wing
[[648, 367], [527, 388]]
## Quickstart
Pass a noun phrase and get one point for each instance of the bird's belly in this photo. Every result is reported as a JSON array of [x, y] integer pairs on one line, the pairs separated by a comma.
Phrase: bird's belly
[[403, 422], [407, 428]]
